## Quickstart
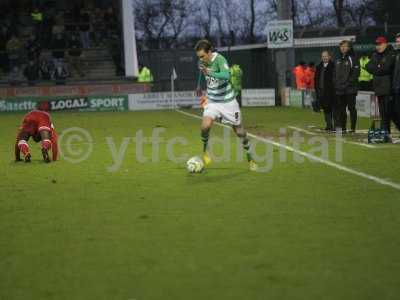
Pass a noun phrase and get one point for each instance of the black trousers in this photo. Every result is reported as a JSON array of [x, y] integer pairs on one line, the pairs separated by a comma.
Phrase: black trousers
[[389, 110], [346, 102], [396, 109], [330, 119], [384, 112], [390, 107], [329, 105]]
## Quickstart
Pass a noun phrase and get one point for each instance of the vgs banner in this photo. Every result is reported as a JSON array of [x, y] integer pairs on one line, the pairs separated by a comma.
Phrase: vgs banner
[[280, 34], [90, 103]]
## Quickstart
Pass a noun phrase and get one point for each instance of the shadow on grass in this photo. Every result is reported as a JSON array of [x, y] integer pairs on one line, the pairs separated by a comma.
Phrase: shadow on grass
[[32, 162], [215, 175]]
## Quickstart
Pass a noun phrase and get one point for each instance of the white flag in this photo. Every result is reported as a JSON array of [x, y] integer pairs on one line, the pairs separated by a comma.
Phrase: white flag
[[173, 75]]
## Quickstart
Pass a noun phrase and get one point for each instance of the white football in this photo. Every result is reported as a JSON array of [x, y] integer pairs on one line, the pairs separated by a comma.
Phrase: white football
[[195, 165]]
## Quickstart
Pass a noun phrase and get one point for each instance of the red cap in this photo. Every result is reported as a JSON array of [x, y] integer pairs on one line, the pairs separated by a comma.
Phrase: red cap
[[381, 40]]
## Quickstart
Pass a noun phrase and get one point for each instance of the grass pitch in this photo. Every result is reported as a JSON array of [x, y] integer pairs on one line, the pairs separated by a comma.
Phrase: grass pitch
[[142, 229]]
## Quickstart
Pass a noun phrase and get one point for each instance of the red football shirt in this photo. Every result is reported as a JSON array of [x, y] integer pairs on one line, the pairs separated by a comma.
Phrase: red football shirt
[[33, 123]]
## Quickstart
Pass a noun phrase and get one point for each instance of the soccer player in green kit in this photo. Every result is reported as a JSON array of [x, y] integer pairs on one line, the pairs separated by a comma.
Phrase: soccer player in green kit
[[220, 102]]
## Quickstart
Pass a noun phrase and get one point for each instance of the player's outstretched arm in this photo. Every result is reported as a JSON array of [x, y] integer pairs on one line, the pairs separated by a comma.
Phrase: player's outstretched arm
[[21, 145], [17, 149], [224, 72]]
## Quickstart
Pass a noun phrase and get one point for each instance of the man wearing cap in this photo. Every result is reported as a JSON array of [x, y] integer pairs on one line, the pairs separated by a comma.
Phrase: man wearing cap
[[381, 66], [396, 81]]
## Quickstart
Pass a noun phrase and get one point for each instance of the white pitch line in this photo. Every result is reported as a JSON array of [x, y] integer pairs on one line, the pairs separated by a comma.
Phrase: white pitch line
[[345, 141], [312, 157], [361, 144], [362, 130], [302, 130]]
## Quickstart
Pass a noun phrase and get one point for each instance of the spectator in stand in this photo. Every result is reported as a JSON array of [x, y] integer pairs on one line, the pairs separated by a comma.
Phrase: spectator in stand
[[4, 65], [46, 69], [14, 49], [365, 78], [75, 53], [114, 47], [110, 21], [345, 78], [325, 90], [15, 76], [69, 22], [299, 75], [75, 16], [47, 30], [382, 66], [97, 21], [310, 76], [59, 45], [33, 48], [37, 20], [31, 72], [84, 28], [58, 27]]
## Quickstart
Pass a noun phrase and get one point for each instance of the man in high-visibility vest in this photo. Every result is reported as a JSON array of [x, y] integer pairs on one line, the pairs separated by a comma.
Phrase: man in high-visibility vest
[[300, 77], [37, 20], [365, 78], [236, 82], [145, 75]]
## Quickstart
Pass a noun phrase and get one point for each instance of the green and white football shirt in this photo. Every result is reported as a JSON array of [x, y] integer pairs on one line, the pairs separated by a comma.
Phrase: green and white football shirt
[[219, 88]]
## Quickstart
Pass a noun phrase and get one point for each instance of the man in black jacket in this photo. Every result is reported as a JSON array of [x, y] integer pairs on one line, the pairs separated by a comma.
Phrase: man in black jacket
[[325, 90], [381, 66], [345, 78], [396, 82], [33, 48]]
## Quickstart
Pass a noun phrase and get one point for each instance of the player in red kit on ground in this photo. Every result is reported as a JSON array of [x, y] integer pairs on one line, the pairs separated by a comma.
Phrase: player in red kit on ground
[[36, 124]]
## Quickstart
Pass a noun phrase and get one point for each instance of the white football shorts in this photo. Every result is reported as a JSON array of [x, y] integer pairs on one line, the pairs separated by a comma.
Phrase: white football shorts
[[226, 112]]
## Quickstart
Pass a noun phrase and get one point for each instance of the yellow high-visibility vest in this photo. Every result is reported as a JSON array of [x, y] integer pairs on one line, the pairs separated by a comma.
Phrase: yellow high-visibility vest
[[236, 77], [145, 75], [38, 17], [364, 74]]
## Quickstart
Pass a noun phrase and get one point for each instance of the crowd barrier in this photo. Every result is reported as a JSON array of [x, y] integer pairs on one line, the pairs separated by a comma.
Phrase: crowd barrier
[[124, 102], [365, 101]]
